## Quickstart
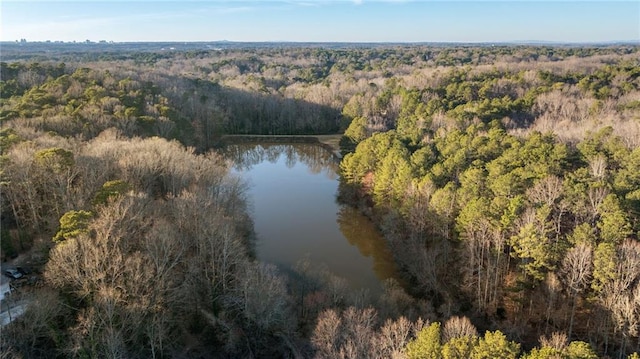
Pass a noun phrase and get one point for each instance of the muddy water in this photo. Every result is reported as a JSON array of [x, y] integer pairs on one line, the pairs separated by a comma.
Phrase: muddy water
[[292, 193]]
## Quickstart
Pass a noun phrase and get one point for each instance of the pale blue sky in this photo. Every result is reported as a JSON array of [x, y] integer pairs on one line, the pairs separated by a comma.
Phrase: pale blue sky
[[322, 20]]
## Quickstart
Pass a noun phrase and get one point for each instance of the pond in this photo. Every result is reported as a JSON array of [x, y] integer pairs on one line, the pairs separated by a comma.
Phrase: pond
[[292, 196]]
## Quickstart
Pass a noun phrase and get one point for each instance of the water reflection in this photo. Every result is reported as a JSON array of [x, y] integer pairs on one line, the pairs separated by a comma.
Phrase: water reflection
[[316, 158], [360, 232], [292, 191]]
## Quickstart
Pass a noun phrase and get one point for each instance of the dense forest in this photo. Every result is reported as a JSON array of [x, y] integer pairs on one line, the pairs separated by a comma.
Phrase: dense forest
[[505, 180]]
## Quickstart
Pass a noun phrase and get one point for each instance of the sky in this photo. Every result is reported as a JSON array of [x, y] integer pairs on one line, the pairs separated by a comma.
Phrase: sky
[[321, 20]]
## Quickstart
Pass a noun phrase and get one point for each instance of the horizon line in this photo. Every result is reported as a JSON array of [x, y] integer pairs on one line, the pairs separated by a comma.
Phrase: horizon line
[[315, 42]]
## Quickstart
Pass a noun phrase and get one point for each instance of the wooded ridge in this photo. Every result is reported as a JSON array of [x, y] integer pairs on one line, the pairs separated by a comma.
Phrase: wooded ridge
[[505, 179]]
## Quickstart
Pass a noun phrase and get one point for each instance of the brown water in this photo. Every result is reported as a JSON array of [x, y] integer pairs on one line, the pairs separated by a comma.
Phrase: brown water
[[292, 192]]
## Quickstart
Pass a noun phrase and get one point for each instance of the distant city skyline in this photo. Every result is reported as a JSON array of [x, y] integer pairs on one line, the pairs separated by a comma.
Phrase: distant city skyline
[[322, 21]]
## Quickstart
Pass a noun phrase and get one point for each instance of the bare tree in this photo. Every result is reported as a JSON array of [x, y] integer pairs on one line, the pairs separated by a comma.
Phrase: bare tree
[[557, 340], [349, 335], [483, 251], [576, 270], [393, 336], [546, 191], [598, 167], [326, 337], [620, 293], [458, 327], [265, 299]]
